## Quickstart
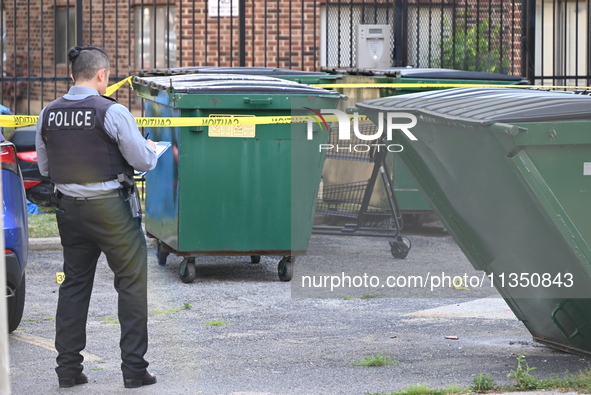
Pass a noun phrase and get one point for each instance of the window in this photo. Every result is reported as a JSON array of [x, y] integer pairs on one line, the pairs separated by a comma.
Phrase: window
[[155, 44], [65, 32], [562, 42]]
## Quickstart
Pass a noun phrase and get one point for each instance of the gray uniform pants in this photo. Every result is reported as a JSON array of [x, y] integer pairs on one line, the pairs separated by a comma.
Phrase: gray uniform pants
[[87, 228]]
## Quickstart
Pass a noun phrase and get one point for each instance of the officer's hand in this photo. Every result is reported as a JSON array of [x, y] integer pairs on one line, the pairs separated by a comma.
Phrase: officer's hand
[[152, 144]]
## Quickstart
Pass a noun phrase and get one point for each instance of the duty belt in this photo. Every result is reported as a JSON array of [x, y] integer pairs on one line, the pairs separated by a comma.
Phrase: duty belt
[[112, 194]]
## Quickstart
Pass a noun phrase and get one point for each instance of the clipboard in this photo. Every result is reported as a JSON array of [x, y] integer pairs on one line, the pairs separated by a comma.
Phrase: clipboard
[[161, 147]]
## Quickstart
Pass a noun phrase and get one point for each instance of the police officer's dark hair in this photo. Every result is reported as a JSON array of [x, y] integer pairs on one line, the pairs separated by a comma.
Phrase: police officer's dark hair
[[87, 61]]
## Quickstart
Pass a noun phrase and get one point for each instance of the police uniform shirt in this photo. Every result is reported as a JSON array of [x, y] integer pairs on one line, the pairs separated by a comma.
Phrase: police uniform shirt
[[122, 127]]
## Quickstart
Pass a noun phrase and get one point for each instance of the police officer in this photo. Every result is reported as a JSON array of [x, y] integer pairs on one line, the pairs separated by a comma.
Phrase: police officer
[[85, 143]]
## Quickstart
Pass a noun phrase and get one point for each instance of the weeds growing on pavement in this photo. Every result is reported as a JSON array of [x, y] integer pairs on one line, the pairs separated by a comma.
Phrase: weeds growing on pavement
[[109, 320], [524, 380], [424, 390], [482, 383], [171, 310], [215, 323], [376, 360], [580, 382], [371, 296]]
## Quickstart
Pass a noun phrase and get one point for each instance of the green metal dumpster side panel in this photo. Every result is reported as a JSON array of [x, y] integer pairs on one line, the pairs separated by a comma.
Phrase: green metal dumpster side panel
[[229, 195], [554, 176], [515, 198], [484, 205], [233, 190]]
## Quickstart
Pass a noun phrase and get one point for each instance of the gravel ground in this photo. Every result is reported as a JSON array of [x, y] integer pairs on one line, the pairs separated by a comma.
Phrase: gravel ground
[[281, 338]]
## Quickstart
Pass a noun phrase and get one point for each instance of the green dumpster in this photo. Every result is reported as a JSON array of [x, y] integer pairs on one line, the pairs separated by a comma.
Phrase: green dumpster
[[508, 171], [229, 189], [410, 200]]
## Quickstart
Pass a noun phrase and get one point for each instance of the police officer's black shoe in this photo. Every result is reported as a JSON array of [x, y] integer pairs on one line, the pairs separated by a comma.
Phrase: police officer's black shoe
[[69, 382], [136, 383]]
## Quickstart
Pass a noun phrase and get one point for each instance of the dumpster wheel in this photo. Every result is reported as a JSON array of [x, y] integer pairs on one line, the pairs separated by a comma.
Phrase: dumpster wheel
[[187, 270], [161, 254], [400, 248], [255, 259], [285, 268]]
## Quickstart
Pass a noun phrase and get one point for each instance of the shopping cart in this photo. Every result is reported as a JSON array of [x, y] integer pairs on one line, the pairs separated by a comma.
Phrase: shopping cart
[[351, 201]]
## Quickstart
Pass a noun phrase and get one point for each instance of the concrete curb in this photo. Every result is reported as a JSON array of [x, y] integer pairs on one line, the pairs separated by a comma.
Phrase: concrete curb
[[45, 244]]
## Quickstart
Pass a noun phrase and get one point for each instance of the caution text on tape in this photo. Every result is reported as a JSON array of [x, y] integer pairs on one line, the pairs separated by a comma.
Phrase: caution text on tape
[[217, 120]]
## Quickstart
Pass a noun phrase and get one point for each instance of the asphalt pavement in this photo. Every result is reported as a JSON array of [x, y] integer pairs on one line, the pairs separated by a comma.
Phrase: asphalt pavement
[[285, 338]]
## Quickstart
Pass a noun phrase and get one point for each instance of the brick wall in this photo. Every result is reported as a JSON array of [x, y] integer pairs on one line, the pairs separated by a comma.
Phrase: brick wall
[[278, 34]]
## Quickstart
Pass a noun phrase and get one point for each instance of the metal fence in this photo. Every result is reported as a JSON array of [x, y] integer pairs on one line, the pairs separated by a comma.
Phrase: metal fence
[[463, 34], [547, 41]]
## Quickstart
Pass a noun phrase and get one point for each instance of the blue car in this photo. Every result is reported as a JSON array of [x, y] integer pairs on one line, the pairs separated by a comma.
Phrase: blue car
[[16, 233]]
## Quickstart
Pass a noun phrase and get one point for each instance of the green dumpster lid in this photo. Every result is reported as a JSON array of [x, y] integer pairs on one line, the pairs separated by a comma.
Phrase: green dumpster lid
[[226, 83], [268, 71], [430, 73], [489, 105]]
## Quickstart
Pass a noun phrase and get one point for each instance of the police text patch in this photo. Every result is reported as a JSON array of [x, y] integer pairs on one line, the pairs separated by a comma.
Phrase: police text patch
[[71, 119]]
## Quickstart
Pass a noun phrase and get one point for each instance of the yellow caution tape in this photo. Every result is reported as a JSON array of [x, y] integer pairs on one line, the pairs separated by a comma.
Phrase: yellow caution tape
[[230, 120], [155, 122], [113, 88], [15, 121], [434, 85], [218, 120], [25, 120]]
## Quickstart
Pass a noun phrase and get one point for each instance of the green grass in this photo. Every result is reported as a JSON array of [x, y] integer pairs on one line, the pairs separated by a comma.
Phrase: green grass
[[371, 296], [43, 225], [166, 311], [424, 390], [523, 379], [215, 323], [580, 382], [482, 382], [375, 360], [108, 320]]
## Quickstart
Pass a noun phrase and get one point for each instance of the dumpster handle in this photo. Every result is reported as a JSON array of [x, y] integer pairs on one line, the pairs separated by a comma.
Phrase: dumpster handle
[[559, 325], [512, 130], [248, 100]]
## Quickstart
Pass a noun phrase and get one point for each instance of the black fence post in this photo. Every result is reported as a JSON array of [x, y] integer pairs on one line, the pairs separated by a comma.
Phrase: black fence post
[[528, 40], [242, 29], [79, 24], [400, 35]]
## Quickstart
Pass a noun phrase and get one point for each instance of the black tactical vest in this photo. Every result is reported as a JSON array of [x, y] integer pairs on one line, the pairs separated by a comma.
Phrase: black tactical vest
[[79, 150]]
